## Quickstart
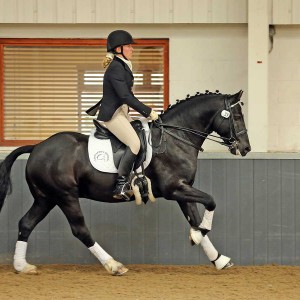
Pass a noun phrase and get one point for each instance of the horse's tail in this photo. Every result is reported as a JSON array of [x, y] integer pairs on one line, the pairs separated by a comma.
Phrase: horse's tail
[[5, 168]]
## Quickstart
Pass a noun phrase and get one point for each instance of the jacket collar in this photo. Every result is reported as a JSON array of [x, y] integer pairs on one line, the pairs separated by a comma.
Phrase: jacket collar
[[116, 58], [127, 62]]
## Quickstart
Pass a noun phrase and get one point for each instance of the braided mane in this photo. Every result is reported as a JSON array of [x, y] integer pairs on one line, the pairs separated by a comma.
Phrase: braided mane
[[188, 97]]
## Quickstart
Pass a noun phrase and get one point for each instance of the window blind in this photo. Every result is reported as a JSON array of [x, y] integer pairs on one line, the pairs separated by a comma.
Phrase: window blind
[[47, 89]]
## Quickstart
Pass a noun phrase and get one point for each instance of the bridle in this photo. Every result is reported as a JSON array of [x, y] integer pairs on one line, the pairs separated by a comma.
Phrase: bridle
[[230, 142], [226, 113]]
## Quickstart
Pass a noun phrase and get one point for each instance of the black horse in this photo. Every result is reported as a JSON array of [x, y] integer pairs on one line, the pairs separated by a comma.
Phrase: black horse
[[59, 172]]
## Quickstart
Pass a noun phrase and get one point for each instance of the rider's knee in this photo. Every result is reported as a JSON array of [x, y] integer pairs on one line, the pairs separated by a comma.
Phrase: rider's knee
[[135, 146]]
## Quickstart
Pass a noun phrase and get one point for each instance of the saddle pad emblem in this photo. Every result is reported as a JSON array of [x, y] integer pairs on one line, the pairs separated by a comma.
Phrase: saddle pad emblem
[[101, 155]]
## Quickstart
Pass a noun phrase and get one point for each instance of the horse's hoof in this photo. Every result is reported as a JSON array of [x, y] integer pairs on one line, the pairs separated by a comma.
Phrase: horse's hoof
[[228, 265], [29, 270], [121, 271], [115, 268], [222, 262]]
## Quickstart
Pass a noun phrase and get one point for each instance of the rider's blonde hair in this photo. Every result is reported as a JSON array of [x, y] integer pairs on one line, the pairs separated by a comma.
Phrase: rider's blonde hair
[[107, 59]]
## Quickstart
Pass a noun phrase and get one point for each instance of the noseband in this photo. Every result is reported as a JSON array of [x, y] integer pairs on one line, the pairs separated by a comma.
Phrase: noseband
[[226, 113]]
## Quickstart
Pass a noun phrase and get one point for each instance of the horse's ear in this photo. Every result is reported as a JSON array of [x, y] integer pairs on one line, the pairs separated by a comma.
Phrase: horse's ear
[[236, 97], [240, 94]]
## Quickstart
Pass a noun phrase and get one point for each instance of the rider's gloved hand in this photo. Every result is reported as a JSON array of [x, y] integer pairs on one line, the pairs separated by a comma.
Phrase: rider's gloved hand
[[153, 115]]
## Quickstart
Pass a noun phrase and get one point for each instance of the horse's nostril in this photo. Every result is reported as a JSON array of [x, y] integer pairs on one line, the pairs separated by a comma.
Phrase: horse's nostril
[[248, 149]]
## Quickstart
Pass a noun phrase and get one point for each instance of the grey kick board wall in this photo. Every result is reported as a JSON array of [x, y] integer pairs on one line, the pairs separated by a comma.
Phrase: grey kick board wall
[[256, 220]]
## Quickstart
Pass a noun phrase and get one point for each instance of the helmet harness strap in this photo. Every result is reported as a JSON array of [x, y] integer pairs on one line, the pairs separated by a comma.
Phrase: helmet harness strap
[[122, 53]]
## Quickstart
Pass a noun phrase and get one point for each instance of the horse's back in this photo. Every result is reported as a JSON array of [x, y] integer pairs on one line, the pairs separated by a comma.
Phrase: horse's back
[[56, 160], [59, 145]]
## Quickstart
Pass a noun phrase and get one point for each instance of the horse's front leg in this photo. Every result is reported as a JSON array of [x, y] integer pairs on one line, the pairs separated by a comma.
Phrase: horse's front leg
[[184, 193], [191, 213]]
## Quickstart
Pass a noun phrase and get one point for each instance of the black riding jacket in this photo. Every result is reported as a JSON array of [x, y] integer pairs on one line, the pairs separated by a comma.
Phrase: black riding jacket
[[117, 90]]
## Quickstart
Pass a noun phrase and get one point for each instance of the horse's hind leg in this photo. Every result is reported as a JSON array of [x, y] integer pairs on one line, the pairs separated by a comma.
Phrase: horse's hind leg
[[71, 209], [38, 211], [192, 215]]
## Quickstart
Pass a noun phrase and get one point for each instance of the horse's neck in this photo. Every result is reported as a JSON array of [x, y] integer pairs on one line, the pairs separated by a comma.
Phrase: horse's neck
[[188, 115], [196, 115]]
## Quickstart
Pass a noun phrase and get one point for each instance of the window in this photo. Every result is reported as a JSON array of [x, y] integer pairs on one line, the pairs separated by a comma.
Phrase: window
[[48, 84]]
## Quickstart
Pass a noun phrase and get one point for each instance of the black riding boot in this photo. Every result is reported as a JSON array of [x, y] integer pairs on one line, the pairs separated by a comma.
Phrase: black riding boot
[[122, 187]]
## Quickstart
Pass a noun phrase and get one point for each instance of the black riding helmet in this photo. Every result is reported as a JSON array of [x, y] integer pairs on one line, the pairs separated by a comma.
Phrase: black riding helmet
[[118, 38]]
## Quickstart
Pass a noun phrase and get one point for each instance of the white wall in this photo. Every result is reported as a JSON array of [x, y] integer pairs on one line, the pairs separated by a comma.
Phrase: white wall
[[208, 57], [201, 56], [284, 90], [218, 54], [123, 11], [142, 11]]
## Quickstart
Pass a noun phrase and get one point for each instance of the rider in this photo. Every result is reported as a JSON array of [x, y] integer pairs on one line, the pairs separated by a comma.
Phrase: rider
[[117, 96]]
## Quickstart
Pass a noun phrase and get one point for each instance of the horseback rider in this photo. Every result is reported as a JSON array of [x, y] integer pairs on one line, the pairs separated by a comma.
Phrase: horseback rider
[[114, 109]]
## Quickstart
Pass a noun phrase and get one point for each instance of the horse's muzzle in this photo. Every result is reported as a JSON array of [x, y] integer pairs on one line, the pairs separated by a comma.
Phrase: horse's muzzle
[[238, 149], [246, 150]]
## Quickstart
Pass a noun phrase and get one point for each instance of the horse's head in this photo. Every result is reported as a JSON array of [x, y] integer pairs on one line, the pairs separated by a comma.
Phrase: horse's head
[[198, 116], [230, 125]]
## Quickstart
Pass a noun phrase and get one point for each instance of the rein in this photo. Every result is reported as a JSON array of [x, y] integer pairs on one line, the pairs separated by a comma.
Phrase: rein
[[229, 142]]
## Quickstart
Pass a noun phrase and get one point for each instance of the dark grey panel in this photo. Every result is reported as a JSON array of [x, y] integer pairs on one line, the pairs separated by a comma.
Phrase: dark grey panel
[[256, 220], [274, 211], [260, 197], [246, 213], [287, 212], [165, 232], [297, 213], [137, 233], [150, 233]]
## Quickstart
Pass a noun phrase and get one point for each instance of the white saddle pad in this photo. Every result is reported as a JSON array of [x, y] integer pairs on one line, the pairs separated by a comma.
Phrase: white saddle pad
[[101, 154]]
